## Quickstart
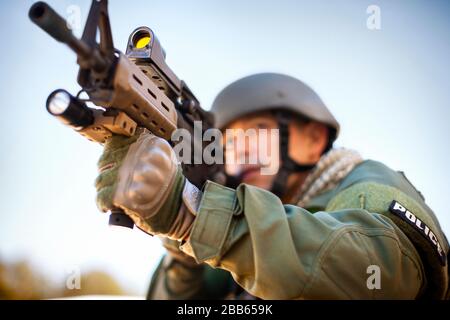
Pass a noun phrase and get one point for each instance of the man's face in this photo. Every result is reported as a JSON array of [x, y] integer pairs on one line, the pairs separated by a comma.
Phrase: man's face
[[252, 147]]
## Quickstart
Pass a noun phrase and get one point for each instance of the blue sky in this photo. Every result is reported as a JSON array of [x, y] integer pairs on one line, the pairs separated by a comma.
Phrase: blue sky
[[389, 89]]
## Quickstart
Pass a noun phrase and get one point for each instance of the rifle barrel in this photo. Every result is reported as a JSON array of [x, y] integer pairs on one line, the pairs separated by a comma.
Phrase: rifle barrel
[[52, 23]]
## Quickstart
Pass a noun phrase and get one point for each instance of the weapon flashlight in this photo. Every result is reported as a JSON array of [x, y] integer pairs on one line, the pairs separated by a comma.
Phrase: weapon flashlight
[[69, 110]]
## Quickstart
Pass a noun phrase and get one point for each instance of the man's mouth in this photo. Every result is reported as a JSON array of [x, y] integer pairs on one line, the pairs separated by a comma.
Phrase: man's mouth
[[250, 172]]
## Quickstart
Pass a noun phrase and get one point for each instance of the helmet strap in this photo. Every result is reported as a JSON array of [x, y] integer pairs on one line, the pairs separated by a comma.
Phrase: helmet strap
[[288, 165]]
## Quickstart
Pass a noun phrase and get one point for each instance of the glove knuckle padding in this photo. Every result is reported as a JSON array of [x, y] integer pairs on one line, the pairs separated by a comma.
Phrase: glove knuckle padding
[[146, 176]]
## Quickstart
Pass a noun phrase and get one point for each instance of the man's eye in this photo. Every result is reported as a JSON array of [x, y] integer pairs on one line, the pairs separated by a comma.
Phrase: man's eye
[[230, 141], [261, 125]]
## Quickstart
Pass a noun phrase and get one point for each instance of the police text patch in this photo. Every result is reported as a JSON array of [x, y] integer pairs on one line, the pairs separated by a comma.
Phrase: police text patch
[[407, 216]]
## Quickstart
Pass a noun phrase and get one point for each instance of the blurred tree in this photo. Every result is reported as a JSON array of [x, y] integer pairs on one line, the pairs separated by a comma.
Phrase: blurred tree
[[96, 282], [19, 280]]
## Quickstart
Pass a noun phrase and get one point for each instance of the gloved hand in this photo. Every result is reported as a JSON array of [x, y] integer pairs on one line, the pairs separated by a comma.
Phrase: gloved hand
[[140, 175]]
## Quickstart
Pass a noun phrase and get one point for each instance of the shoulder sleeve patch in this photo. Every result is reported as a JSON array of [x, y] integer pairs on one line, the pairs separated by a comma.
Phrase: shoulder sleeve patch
[[407, 216]]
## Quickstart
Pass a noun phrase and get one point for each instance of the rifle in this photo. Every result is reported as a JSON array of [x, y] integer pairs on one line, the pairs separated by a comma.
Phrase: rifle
[[135, 89]]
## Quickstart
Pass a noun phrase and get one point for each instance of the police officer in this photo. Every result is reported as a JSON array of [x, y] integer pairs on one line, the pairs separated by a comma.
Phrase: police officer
[[326, 225]]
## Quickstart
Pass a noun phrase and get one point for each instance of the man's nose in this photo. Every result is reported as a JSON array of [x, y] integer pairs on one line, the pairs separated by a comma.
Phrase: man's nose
[[247, 149]]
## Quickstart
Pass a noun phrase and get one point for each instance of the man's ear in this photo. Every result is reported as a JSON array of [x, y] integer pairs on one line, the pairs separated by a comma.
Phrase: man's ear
[[318, 136]]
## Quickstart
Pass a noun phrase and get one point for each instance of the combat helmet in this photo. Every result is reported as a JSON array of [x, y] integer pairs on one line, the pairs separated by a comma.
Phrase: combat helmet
[[283, 95]]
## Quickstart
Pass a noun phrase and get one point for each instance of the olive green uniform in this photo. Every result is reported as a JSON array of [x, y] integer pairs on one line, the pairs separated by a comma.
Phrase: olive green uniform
[[323, 251]]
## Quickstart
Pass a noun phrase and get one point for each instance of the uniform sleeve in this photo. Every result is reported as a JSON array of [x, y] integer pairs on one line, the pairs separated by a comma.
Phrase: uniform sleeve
[[179, 277], [277, 251]]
